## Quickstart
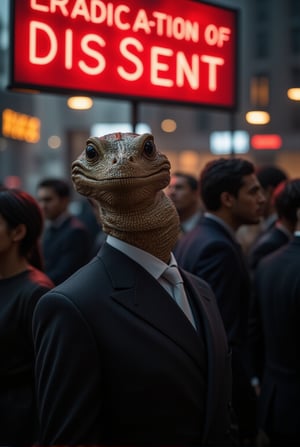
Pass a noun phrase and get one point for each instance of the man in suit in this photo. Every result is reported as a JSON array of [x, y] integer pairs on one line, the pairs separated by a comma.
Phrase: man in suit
[[269, 177], [282, 231], [66, 241], [120, 360], [183, 190], [277, 290], [232, 196]]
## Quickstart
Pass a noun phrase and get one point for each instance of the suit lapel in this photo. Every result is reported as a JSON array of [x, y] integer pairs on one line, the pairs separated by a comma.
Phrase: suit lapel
[[143, 296], [214, 335]]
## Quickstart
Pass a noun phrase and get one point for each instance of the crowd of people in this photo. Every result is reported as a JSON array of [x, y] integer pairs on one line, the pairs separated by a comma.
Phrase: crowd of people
[[100, 346]]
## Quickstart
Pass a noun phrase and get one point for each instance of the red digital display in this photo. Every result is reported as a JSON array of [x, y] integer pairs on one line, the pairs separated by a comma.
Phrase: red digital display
[[180, 51]]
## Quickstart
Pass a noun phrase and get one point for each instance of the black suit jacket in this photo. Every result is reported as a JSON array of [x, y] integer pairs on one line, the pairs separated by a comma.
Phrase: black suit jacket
[[277, 286], [65, 249], [270, 241], [212, 254], [117, 361]]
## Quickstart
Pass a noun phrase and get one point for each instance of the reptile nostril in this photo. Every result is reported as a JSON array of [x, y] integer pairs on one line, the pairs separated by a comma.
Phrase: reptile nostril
[[131, 158], [114, 161]]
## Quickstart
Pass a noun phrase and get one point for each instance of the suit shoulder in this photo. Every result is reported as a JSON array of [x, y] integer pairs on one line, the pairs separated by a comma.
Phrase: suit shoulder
[[84, 280], [272, 259], [205, 235]]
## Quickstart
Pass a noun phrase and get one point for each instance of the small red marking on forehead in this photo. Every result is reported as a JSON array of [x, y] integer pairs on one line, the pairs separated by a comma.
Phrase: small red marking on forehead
[[118, 136]]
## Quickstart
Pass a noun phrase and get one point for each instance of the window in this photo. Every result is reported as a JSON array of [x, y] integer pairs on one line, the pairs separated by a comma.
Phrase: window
[[295, 39], [202, 120], [295, 76], [294, 7], [295, 118], [260, 90], [262, 10], [261, 45]]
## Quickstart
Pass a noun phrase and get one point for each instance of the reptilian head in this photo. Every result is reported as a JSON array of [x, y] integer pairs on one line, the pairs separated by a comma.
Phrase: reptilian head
[[121, 170], [126, 175]]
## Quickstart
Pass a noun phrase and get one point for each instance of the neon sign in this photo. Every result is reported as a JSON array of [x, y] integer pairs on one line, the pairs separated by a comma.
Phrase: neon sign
[[20, 126], [183, 51]]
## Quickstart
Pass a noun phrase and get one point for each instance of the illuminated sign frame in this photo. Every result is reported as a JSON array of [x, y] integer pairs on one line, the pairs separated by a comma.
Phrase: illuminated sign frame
[[182, 51]]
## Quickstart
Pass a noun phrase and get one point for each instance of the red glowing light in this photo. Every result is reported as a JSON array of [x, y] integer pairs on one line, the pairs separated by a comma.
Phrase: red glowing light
[[263, 142], [183, 51]]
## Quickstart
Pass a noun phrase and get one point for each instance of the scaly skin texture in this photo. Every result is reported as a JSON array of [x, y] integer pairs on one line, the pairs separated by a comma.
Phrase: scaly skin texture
[[126, 175]]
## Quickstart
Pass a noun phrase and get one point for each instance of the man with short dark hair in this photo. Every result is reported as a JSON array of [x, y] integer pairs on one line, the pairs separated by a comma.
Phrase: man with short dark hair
[[183, 190], [281, 232], [232, 196], [269, 177], [66, 241]]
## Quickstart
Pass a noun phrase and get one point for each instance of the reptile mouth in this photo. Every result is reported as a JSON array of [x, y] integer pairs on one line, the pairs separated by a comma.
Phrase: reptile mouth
[[77, 172]]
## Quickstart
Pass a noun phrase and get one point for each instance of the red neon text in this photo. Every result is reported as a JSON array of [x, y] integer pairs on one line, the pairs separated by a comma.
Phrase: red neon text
[[179, 51]]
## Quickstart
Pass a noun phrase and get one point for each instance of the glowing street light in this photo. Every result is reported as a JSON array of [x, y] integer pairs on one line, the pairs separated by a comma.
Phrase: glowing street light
[[294, 93], [258, 117], [80, 102]]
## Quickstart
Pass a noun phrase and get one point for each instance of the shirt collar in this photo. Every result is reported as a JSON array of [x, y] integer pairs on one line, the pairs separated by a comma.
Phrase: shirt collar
[[153, 265]]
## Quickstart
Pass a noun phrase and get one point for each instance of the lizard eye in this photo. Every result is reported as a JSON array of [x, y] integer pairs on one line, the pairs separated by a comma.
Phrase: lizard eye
[[91, 152], [149, 149]]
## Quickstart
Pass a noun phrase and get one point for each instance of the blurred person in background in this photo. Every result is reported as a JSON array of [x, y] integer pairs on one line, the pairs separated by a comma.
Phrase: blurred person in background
[[277, 293], [232, 196], [100, 237], [269, 177], [282, 231], [66, 242], [183, 190], [84, 210], [22, 283]]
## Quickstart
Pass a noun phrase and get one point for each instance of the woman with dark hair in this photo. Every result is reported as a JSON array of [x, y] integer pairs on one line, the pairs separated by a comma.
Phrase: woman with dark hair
[[22, 283]]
